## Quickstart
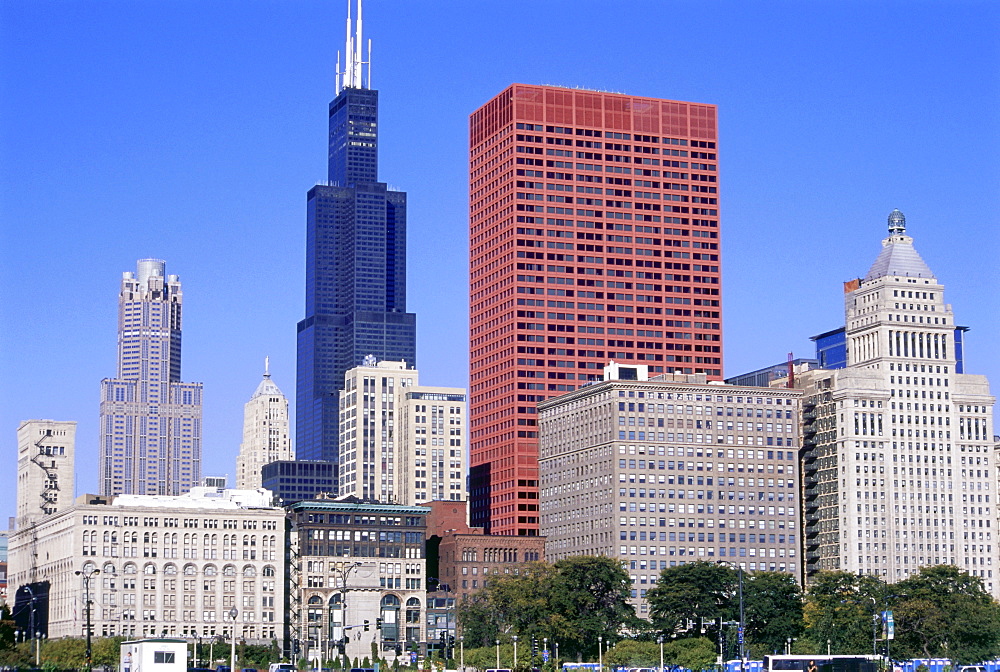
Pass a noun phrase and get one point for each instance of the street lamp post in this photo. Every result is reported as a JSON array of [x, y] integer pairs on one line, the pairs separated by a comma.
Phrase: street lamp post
[[498, 654], [233, 613], [557, 654], [875, 622], [828, 642], [545, 645], [87, 574], [31, 626], [344, 573], [514, 637], [600, 653], [659, 640], [461, 653]]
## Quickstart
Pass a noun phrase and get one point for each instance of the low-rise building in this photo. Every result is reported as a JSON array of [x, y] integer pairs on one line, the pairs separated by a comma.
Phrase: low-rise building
[[357, 575], [462, 558], [154, 564]]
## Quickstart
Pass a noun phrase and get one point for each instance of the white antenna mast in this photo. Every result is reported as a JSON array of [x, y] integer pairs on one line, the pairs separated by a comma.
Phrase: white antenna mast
[[352, 74], [357, 46]]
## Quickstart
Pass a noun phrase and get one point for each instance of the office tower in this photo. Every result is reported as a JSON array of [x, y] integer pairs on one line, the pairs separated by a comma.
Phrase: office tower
[[265, 433], [45, 476], [676, 470], [150, 420], [355, 265], [400, 441], [897, 444], [594, 235]]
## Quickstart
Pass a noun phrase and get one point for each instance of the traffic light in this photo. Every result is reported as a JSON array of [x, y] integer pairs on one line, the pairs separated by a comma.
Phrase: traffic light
[[342, 647], [399, 650], [366, 625], [378, 623]]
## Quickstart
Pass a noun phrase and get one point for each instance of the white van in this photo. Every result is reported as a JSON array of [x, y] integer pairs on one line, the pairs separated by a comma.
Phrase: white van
[[281, 667]]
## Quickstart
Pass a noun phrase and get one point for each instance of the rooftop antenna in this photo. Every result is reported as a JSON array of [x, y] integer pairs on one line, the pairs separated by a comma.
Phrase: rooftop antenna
[[356, 77], [267, 366], [351, 75]]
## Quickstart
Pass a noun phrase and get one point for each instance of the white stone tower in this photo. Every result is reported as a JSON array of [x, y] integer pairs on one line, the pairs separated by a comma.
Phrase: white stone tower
[[898, 444], [265, 432]]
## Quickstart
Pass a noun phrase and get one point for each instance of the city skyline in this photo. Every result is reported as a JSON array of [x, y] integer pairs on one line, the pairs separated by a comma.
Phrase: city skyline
[[854, 111]]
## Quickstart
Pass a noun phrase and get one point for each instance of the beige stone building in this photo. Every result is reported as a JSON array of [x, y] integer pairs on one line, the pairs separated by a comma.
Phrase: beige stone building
[[266, 437], [659, 472], [897, 445], [45, 452], [358, 572], [159, 564], [400, 441]]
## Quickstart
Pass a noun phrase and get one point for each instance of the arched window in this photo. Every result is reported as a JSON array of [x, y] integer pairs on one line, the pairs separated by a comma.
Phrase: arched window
[[189, 570], [229, 570], [315, 600], [413, 611], [211, 570], [249, 571], [268, 570], [170, 569], [130, 568], [108, 568], [149, 568], [89, 568]]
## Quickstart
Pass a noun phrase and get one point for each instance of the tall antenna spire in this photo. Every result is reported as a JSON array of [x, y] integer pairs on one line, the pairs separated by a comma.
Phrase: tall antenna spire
[[267, 367], [352, 74]]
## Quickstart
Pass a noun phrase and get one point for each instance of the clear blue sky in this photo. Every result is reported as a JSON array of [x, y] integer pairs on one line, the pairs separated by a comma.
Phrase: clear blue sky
[[190, 130]]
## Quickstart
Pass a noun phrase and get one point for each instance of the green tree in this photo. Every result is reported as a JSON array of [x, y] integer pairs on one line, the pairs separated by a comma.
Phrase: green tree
[[106, 650], [839, 607], [693, 653], [692, 591], [572, 602], [943, 611], [772, 610], [65, 653], [591, 594], [631, 653]]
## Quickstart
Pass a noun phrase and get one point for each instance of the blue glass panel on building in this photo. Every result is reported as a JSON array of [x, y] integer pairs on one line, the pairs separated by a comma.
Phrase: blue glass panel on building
[[831, 349]]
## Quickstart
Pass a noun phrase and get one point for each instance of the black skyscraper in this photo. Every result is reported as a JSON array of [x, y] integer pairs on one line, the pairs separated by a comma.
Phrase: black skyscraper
[[355, 268]]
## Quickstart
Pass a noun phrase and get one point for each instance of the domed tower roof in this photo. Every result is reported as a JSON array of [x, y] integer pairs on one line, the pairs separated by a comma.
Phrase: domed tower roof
[[898, 257]]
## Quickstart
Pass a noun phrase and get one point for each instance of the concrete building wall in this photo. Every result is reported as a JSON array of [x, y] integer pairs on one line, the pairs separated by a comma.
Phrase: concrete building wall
[[661, 472], [45, 478], [401, 442]]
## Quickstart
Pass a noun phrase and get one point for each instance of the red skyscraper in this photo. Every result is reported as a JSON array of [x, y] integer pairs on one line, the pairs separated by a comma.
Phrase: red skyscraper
[[594, 235]]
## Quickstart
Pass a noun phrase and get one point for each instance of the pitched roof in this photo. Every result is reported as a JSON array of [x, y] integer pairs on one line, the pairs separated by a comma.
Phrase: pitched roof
[[898, 258]]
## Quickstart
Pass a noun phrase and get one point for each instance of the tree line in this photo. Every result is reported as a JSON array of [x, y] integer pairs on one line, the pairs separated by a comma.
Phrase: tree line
[[694, 609]]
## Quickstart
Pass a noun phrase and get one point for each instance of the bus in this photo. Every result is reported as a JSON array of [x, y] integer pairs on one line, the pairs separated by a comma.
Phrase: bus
[[797, 663]]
